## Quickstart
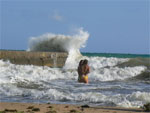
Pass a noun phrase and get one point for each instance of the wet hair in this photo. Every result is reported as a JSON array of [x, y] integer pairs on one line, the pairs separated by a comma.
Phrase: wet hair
[[85, 61], [81, 62]]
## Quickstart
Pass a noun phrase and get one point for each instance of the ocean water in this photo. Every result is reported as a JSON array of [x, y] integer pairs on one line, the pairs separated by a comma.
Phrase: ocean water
[[114, 79]]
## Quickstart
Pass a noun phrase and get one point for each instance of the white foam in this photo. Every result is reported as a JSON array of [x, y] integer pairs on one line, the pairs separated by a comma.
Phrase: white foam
[[141, 96], [99, 62], [63, 43], [22, 80], [10, 73], [136, 99], [115, 73]]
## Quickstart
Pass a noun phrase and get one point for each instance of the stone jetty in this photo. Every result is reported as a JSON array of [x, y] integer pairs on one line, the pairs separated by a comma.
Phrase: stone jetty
[[50, 59]]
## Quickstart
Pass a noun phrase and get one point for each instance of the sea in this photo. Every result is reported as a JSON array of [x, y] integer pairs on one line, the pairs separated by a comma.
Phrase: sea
[[114, 80]]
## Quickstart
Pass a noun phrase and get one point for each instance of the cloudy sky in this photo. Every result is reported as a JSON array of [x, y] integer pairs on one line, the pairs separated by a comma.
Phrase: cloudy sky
[[115, 26]]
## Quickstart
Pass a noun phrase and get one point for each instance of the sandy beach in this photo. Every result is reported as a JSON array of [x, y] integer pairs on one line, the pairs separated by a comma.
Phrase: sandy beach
[[61, 108]]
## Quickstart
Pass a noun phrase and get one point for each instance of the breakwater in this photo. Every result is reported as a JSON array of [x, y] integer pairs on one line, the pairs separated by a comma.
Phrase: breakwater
[[50, 59]]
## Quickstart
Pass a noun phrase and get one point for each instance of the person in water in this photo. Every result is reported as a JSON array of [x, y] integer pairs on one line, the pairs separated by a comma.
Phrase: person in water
[[80, 70], [83, 70]]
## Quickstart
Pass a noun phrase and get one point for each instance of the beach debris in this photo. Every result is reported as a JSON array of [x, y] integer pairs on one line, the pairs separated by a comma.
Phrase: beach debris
[[146, 107], [82, 109], [30, 107], [74, 111], [66, 106], [85, 106], [52, 111], [20, 112], [50, 107], [10, 110], [29, 111], [35, 109]]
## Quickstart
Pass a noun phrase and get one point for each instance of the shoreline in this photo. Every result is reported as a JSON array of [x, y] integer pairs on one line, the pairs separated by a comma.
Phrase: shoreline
[[61, 108]]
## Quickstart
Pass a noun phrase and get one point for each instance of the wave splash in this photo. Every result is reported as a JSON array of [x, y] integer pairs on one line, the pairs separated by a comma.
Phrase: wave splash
[[58, 42], [61, 43]]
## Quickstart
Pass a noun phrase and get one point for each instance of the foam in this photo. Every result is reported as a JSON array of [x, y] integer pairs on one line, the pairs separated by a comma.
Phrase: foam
[[115, 73], [61, 43], [12, 73], [136, 99]]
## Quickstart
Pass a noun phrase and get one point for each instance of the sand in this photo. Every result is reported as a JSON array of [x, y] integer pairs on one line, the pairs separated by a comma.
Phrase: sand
[[61, 108]]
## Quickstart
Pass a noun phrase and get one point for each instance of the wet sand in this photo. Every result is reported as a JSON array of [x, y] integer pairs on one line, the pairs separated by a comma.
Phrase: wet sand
[[61, 108]]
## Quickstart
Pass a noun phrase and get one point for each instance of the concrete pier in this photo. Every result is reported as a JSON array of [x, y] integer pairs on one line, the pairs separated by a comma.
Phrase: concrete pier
[[50, 59]]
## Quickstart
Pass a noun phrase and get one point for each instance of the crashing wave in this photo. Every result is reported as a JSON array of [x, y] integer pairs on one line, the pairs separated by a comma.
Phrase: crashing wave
[[61, 43]]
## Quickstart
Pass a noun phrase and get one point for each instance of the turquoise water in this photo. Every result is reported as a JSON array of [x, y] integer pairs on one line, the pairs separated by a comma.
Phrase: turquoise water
[[117, 55]]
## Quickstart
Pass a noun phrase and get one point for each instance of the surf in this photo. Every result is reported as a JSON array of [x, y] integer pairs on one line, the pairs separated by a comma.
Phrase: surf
[[71, 44], [113, 81]]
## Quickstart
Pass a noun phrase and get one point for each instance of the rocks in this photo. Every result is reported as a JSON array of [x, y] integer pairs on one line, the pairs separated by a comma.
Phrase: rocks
[[51, 59], [146, 107], [35, 109], [30, 107], [11, 111], [85, 106]]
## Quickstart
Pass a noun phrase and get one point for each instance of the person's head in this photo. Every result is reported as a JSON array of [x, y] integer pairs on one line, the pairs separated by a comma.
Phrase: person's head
[[85, 62], [81, 62]]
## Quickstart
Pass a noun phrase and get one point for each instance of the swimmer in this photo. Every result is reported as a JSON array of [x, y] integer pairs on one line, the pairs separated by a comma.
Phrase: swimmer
[[83, 70]]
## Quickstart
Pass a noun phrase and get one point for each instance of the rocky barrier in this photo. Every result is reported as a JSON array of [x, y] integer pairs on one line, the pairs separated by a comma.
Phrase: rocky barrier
[[51, 59]]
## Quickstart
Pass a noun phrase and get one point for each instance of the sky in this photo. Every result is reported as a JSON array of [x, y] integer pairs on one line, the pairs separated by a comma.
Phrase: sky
[[115, 26]]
